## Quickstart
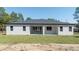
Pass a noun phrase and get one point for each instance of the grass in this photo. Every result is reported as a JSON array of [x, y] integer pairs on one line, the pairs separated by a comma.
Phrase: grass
[[39, 39]]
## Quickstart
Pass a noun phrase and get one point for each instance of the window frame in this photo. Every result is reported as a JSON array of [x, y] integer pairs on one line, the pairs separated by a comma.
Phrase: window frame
[[70, 28], [24, 28], [37, 28], [11, 28], [49, 28], [61, 28]]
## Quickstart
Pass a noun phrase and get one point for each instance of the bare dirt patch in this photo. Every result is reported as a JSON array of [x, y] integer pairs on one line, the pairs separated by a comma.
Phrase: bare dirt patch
[[39, 47]]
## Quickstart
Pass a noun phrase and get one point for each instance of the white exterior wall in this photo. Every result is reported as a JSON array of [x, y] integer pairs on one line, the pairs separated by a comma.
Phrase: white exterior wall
[[65, 30], [17, 30]]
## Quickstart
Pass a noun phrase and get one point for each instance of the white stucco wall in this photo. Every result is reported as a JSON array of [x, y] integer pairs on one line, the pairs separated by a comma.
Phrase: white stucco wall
[[17, 30], [65, 30]]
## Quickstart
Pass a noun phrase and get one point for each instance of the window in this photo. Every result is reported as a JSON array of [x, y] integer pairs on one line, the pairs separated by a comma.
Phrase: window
[[70, 28], [49, 28], [11, 28], [61, 28], [37, 28], [34, 28], [24, 28]]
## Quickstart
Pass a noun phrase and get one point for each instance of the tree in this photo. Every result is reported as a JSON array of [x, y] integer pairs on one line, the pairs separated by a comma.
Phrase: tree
[[14, 17], [2, 10], [76, 16], [21, 18], [49, 19], [28, 18], [4, 18], [53, 20]]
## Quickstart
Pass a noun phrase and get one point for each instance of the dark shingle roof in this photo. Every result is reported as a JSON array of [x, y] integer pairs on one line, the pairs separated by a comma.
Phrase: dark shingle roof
[[41, 21]]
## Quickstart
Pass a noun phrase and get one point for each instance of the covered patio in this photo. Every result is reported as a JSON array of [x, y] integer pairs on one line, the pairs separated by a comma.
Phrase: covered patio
[[44, 30]]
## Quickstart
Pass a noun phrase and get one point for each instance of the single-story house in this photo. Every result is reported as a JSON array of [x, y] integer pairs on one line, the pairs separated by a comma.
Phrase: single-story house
[[39, 27]]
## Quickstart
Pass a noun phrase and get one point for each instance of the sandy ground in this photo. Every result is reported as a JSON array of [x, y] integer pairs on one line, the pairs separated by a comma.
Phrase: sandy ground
[[39, 47]]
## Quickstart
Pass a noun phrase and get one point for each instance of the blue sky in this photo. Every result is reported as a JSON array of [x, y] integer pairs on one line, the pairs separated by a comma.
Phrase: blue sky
[[61, 13]]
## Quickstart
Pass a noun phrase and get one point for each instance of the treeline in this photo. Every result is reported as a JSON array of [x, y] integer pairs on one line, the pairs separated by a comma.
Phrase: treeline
[[6, 17]]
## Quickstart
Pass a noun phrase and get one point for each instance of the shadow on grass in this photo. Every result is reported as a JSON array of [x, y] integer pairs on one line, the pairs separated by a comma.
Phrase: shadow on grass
[[76, 36]]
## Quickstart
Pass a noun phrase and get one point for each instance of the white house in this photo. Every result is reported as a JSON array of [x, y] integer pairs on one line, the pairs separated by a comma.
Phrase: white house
[[39, 27]]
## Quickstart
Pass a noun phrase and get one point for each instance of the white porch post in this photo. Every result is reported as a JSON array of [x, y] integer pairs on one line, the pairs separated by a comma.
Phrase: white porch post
[[58, 30], [43, 30], [29, 30]]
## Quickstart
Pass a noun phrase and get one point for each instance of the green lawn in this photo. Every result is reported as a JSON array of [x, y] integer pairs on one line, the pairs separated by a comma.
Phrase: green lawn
[[39, 39]]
